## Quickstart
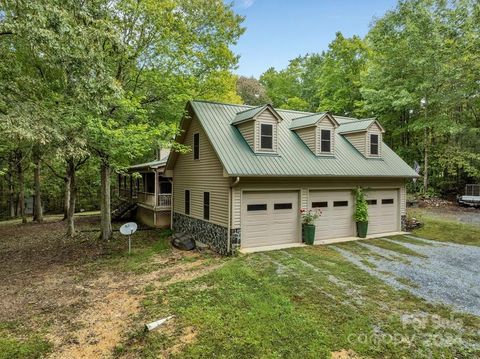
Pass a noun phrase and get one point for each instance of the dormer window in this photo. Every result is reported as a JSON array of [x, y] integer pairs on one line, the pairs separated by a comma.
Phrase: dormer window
[[326, 141], [266, 136], [373, 144], [259, 128]]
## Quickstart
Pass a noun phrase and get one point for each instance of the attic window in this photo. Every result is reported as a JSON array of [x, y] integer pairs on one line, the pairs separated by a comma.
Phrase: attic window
[[373, 144], [196, 146], [266, 136], [325, 141]]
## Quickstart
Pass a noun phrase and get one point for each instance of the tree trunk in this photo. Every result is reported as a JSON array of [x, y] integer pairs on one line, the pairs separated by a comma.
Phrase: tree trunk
[[66, 197], [425, 162], [11, 189], [21, 187], [37, 210], [72, 199], [105, 210]]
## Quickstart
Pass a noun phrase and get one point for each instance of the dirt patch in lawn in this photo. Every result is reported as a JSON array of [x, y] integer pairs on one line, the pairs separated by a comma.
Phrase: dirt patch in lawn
[[78, 293], [345, 354]]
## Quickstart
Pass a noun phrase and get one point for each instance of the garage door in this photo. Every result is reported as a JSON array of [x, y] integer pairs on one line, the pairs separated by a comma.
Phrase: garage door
[[383, 215], [269, 218], [337, 213]]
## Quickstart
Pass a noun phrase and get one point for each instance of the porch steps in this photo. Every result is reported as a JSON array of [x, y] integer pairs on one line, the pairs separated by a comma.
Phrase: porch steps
[[124, 211]]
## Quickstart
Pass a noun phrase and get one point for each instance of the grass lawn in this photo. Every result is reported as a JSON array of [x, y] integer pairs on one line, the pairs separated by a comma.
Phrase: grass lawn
[[445, 230], [82, 298], [305, 302]]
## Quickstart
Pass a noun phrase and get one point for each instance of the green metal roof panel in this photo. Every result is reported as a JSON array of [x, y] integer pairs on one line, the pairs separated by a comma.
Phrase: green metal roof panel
[[293, 157], [305, 121], [353, 126], [247, 114]]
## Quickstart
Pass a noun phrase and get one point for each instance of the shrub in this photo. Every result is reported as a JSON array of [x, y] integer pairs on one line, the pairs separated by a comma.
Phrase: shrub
[[361, 205]]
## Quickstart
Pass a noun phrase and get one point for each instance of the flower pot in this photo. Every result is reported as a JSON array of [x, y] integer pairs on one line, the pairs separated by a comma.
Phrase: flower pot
[[362, 228], [309, 233]]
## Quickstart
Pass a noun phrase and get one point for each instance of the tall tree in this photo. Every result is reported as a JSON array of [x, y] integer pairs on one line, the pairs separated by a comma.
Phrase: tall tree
[[420, 82], [252, 91], [338, 79]]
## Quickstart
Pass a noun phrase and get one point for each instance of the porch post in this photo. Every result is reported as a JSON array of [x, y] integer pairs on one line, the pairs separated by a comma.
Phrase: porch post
[[155, 199], [131, 186]]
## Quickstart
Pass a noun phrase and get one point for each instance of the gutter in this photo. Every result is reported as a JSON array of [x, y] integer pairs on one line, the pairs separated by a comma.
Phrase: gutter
[[229, 241]]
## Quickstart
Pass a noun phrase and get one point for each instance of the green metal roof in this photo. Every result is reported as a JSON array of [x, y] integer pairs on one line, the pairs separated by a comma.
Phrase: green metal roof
[[247, 114], [305, 121], [293, 157], [152, 164], [356, 126]]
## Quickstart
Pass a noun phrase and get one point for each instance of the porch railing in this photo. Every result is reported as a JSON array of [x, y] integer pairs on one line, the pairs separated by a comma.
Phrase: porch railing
[[146, 198], [164, 200]]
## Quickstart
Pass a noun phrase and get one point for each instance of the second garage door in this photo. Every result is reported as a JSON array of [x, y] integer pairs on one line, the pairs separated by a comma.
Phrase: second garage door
[[337, 214], [269, 218], [382, 211]]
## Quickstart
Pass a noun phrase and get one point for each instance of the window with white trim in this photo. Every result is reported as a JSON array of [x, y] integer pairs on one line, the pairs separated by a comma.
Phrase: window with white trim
[[266, 136], [325, 141], [374, 139]]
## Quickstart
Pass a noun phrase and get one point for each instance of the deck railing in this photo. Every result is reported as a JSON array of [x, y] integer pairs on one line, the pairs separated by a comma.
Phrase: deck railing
[[146, 198], [164, 200]]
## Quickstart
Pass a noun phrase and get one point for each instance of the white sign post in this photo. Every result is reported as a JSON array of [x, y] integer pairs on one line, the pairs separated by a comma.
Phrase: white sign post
[[127, 230]]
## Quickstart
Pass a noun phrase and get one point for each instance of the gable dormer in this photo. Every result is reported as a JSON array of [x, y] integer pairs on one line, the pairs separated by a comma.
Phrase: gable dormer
[[259, 127], [365, 135], [317, 131]]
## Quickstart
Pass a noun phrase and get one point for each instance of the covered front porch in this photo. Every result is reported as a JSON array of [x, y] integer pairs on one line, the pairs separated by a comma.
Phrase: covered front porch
[[146, 186]]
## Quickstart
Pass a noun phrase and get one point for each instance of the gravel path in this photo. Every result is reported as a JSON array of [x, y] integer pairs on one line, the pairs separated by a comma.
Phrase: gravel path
[[449, 273]]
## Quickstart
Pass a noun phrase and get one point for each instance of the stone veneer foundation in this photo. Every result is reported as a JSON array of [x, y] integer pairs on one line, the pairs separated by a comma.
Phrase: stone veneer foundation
[[403, 223], [214, 235]]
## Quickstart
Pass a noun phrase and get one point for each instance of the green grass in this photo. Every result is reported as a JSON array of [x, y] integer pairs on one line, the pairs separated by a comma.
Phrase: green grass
[[446, 230], [140, 260], [395, 247], [297, 303], [15, 343]]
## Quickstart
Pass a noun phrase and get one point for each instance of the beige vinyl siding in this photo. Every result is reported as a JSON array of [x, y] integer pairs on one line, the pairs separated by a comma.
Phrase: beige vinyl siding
[[374, 129], [265, 117], [305, 185], [358, 140], [325, 124], [308, 136], [247, 129], [198, 176], [403, 199]]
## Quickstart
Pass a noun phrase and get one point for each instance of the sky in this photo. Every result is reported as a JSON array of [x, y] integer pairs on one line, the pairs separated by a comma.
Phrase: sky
[[280, 30]]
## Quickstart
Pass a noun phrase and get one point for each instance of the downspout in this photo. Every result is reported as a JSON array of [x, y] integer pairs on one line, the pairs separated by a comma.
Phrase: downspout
[[155, 197], [171, 205], [229, 240]]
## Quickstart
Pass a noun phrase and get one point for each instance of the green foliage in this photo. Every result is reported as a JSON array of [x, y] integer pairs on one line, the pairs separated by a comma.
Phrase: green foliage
[[309, 216], [423, 49], [16, 344], [445, 230], [361, 205], [338, 81]]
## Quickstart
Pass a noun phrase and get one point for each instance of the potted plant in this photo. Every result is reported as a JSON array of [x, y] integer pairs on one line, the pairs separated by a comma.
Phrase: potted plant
[[309, 216], [361, 212]]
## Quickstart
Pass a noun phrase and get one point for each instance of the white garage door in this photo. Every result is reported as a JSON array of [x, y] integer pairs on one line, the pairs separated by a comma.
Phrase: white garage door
[[336, 220], [383, 215], [269, 218]]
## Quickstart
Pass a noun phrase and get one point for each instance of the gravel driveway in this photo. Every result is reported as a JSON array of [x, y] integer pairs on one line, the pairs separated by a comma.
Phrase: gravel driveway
[[443, 273]]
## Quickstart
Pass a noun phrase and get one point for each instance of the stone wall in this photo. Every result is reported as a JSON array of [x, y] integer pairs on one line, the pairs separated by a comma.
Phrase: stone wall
[[403, 223], [209, 233]]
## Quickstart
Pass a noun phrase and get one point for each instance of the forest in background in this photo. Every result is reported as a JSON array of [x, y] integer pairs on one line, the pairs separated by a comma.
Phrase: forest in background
[[417, 71], [89, 88]]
